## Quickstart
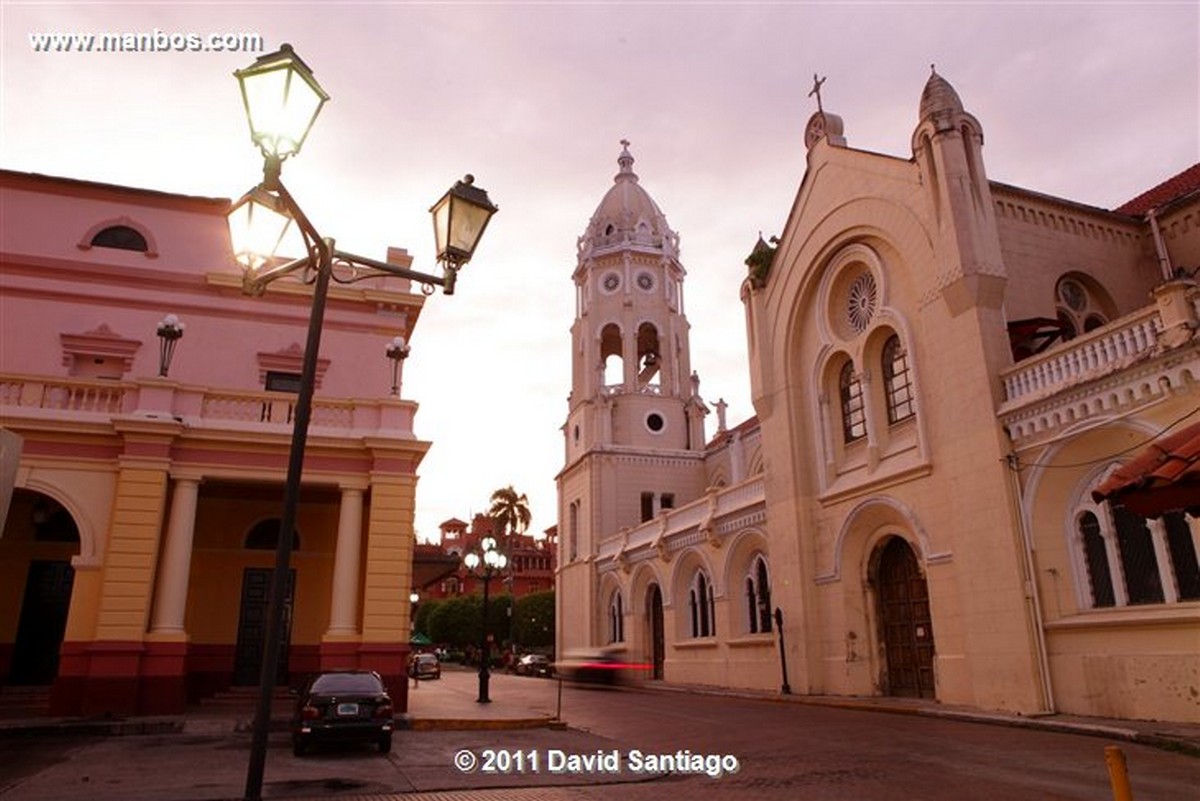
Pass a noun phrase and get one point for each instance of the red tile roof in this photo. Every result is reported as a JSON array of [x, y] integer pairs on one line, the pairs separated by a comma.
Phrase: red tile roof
[[1184, 183], [1163, 477]]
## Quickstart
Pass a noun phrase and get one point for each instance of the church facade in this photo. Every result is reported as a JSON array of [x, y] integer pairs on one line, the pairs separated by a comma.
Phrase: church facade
[[944, 370]]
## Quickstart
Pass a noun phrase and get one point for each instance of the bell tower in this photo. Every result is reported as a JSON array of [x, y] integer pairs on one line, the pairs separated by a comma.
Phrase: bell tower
[[634, 435], [632, 384]]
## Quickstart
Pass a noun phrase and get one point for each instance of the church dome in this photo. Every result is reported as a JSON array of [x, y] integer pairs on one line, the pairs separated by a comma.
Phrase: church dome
[[939, 97], [628, 217]]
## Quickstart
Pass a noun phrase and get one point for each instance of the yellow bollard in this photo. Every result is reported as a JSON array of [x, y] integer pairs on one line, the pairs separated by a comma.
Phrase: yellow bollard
[[1118, 773]]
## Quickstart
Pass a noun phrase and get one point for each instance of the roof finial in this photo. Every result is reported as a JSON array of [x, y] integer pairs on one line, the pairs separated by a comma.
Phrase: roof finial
[[625, 160], [816, 90], [932, 70]]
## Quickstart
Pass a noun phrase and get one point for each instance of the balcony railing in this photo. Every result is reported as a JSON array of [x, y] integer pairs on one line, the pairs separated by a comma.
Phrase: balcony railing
[[98, 401], [1091, 355], [687, 519]]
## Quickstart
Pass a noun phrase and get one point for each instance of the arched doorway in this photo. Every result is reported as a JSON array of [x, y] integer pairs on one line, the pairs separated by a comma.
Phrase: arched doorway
[[40, 537], [658, 647], [905, 621]]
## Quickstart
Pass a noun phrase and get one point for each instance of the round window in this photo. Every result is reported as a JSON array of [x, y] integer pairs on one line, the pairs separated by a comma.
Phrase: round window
[[610, 282], [861, 302], [655, 422], [645, 281]]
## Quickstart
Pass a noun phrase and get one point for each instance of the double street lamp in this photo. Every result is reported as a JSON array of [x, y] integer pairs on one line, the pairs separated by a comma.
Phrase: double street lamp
[[484, 564], [282, 100]]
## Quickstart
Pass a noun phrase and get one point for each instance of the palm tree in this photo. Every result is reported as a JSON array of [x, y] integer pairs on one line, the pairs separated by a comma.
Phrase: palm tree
[[509, 511]]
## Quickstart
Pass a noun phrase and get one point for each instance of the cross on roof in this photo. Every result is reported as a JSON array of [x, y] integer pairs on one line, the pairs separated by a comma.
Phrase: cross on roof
[[816, 90]]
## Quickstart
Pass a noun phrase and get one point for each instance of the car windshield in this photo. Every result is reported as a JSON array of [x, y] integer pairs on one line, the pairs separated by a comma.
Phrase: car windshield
[[347, 683], [426, 658]]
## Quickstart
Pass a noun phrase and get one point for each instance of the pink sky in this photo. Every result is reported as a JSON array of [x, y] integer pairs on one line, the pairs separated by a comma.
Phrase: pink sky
[[1087, 101]]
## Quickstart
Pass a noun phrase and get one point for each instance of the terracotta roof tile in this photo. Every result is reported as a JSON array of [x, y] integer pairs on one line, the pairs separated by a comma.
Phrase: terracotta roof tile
[[1163, 477], [1177, 186]]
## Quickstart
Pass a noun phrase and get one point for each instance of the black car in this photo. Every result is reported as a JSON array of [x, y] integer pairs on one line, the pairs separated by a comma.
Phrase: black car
[[343, 706], [533, 665]]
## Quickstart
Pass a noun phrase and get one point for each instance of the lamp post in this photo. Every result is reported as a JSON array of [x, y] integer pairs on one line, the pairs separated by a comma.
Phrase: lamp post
[[396, 351], [169, 331], [786, 689], [485, 563], [282, 100]]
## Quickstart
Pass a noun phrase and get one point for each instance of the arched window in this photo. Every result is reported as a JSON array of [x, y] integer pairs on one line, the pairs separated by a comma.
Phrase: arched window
[[120, 237], [897, 381], [265, 536], [701, 606], [1079, 310], [854, 420], [758, 597], [573, 533], [1182, 548], [616, 618], [1130, 560], [1095, 554], [1142, 581]]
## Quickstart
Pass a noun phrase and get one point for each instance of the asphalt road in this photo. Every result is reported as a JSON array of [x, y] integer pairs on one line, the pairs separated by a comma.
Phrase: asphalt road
[[781, 750]]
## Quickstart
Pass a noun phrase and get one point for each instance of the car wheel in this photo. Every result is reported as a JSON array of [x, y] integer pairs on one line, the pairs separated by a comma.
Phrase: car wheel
[[385, 744], [299, 748]]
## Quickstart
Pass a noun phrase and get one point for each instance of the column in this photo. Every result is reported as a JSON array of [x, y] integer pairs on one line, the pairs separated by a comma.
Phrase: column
[[171, 589], [343, 605]]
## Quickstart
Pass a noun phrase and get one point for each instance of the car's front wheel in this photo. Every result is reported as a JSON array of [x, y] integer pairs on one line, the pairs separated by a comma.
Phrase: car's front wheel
[[385, 744]]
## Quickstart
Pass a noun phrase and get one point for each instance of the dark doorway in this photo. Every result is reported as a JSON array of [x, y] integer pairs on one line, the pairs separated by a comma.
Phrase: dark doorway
[[906, 622], [252, 627], [658, 647], [43, 622]]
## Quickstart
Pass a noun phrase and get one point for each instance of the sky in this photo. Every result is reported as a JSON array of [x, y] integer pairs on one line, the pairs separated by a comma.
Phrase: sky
[[1091, 101]]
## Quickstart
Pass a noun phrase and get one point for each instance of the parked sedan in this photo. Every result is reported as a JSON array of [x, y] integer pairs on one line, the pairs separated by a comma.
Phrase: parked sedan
[[343, 706], [424, 666]]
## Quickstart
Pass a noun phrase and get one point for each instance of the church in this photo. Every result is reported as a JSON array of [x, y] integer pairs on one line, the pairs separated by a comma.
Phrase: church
[[952, 380]]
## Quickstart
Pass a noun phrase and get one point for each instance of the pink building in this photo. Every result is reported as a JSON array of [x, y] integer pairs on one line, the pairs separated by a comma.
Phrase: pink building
[[136, 553]]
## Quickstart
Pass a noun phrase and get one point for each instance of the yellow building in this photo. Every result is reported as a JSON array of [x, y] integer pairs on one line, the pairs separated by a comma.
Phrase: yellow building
[[137, 550], [943, 369]]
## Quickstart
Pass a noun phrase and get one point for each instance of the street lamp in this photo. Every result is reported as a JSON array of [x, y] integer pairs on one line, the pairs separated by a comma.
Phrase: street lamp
[[282, 100], [396, 351], [485, 563], [169, 331]]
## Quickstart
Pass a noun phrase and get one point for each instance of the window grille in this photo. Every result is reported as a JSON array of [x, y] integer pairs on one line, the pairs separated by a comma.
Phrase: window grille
[[1099, 575], [897, 381], [854, 420]]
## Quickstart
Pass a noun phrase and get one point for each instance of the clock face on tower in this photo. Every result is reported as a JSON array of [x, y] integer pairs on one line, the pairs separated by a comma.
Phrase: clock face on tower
[[610, 282]]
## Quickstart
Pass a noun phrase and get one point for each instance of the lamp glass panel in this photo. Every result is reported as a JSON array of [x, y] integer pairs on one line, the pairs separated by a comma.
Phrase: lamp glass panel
[[471, 560], [255, 231], [467, 221], [281, 104], [441, 224]]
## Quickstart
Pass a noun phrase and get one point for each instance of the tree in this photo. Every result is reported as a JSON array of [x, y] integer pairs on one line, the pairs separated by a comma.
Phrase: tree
[[424, 613], [509, 511], [533, 620]]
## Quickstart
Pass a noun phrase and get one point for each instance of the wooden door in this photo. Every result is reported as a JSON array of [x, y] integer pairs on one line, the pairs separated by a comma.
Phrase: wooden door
[[658, 645], [906, 622]]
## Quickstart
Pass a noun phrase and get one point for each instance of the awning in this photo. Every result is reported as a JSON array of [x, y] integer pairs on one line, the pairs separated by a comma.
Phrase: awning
[[1164, 477], [419, 639]]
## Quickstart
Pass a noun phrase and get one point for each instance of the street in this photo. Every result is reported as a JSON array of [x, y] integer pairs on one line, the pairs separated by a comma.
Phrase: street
[[623, 743]]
